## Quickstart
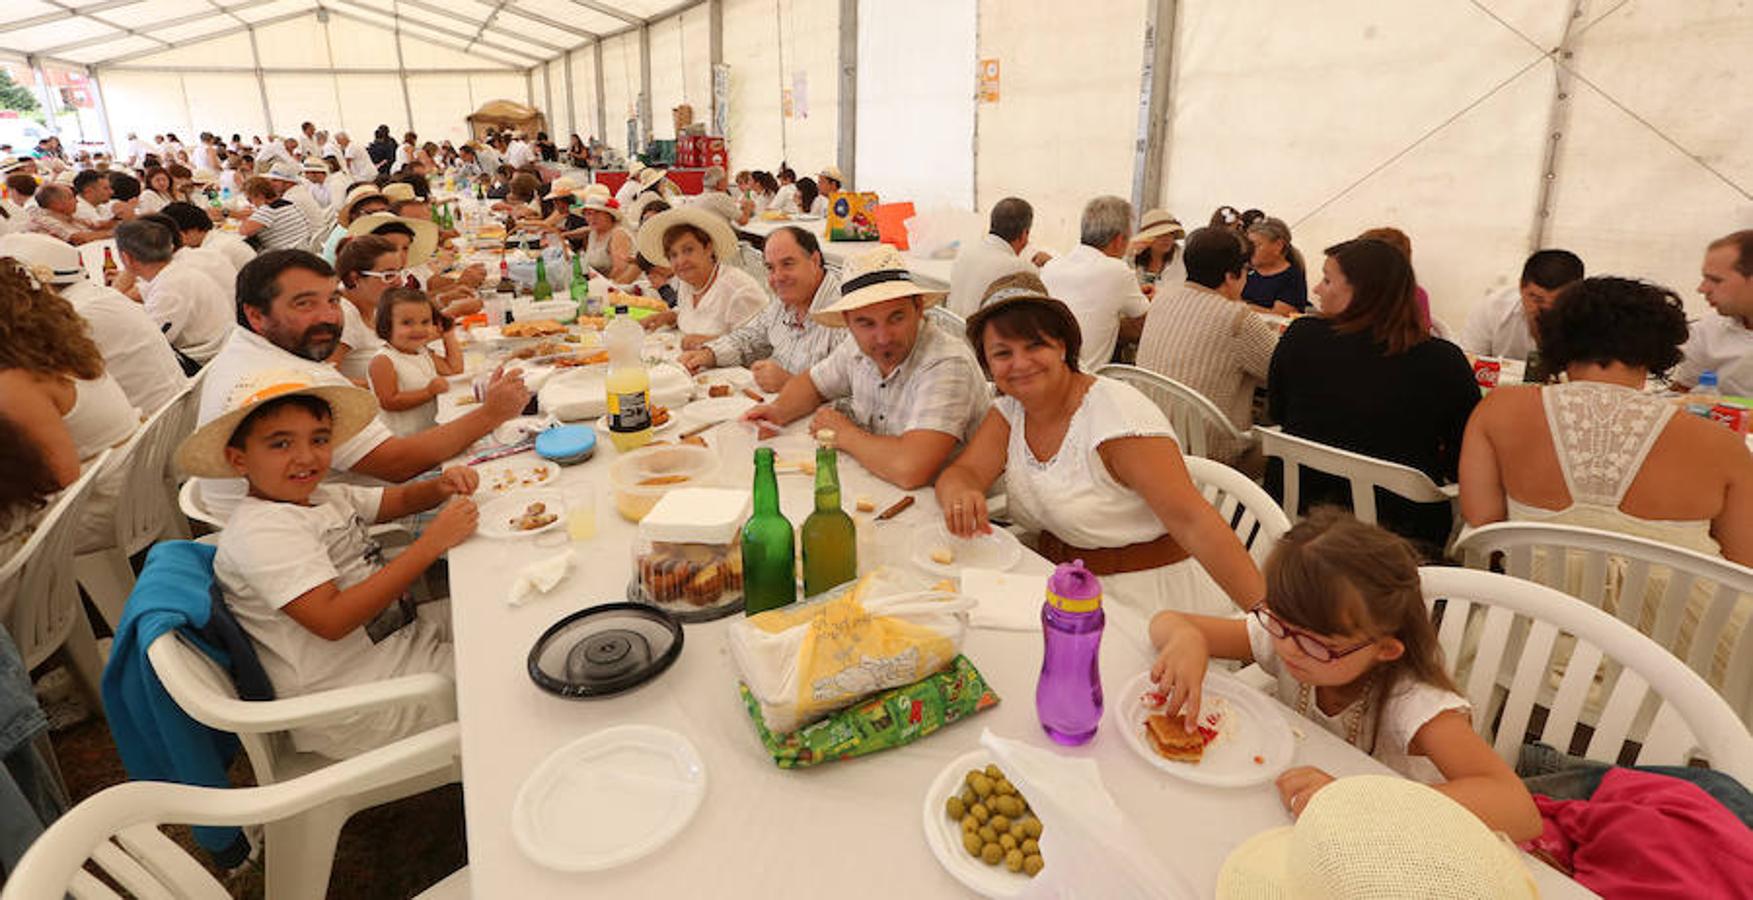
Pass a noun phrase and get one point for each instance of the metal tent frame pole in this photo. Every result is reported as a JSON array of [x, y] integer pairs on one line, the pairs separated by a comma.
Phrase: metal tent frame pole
[[1155, 86]]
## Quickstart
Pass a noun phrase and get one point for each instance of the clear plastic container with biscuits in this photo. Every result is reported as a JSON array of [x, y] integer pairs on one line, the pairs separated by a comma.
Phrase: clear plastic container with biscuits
[[687, 559]]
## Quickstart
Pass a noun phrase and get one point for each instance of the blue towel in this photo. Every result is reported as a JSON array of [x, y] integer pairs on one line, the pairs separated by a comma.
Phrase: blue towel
[[156, 739]]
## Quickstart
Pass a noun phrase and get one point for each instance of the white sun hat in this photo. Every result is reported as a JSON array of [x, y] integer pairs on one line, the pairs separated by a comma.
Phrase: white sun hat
[[1157, 223], [564, 186], [47, 259], [425, 233], [724, 241], [874, 277], [202, 454], [1377, 836]]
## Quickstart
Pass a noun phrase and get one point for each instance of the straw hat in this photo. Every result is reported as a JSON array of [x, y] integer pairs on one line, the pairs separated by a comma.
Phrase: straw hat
[[1157, 223], [832, 172], [724, 241], [651, 175], [315, 165], [563, 186], [47, 259], [599, 200], [354, 196], [425, 233], [870, 278], [202, 454], [399, 191], [283, 172], [1377, 836], [9, 164], [634, 166]]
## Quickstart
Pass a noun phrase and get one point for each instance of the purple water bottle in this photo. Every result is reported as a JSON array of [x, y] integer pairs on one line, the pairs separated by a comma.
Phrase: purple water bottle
[[1068, 698]]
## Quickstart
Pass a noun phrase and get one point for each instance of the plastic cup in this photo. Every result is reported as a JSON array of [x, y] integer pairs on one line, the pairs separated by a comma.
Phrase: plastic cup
[[735, 442], [581, 513]]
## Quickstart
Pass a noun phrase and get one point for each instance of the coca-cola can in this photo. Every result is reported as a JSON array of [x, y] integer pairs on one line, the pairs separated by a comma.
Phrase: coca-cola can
[[1736, 417], [1486, 372]]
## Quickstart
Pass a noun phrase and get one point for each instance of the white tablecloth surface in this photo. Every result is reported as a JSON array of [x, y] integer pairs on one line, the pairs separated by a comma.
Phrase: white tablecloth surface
[[847, 829]]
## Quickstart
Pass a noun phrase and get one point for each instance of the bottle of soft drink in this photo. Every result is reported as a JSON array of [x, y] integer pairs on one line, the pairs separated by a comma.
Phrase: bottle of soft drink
[[109, 267], [830, 542], [542, 289], [768, 560], [579, 289], [629, 384], [1068, 696], [1703, 398]]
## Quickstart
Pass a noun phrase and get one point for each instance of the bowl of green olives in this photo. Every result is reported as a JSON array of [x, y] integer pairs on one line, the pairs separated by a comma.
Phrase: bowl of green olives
[[981, 828]]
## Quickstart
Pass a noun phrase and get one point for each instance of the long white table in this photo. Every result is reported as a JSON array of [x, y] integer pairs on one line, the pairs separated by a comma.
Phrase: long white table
[[850, 829], [933, 273]]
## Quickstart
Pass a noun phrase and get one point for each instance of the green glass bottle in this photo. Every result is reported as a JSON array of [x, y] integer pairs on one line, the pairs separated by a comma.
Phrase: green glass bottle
[[830, 542], [579, 289], [542, 290], [769, 564]]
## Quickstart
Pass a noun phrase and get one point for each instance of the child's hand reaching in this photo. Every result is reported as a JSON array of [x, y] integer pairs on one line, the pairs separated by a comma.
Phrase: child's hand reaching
[[437, 386], [1179, 670], [454, 523], [459, 480], [1296, 787]]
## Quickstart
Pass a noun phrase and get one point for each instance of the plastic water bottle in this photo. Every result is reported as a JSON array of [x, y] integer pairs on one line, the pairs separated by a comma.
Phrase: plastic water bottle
[[628, 383], [1068, 698], [1703, 398]]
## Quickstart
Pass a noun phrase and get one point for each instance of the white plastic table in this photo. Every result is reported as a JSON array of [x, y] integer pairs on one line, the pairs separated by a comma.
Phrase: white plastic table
[[849, 829]]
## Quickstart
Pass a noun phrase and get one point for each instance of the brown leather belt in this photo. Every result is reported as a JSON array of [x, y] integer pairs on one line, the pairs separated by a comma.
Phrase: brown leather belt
[[1155, 554]]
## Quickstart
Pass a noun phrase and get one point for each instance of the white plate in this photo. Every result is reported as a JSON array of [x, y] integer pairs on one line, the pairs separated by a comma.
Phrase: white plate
[[999, 550], [513, 430], [736, 377], [1256, 729], [496, 514], [944, 836], [713, 410], [602, 425], [520, 474], [608, 798]]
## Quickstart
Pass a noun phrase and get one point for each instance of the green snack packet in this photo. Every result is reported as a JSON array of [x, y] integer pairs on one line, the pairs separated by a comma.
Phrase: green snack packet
[[893, 718]]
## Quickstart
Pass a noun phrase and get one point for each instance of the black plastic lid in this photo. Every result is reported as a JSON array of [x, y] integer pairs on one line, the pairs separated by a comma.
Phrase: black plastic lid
[[605, 650]]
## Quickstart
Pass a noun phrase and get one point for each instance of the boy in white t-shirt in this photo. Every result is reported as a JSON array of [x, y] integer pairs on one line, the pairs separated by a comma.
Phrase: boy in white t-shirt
[[299, 569]]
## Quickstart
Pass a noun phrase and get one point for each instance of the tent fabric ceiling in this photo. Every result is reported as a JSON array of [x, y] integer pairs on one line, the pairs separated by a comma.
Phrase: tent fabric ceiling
[[96, 32]]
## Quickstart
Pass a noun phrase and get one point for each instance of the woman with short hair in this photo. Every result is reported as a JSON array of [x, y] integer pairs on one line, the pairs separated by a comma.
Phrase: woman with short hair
[[711, 298], [1276, 278], [367, 266], [1094, 468]]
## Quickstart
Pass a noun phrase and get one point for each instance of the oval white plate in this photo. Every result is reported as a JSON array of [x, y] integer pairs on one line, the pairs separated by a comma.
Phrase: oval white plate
[[1258, 730], [496, 514], [521, 428], [713, 410], [998, 551], [944, 836], [518, 475], [736, 377], [608, 798]]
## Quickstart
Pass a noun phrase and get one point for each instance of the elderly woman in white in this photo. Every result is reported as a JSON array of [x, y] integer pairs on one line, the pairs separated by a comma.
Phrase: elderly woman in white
[[711, 298]]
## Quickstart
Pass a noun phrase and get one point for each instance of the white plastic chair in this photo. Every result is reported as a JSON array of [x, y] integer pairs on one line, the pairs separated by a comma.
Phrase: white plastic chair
[[948, 321], [1193, 415], [1257, 519], [750, 260], [39, 598], [145, 506], [1690, 719], [1621, 566], [116, 831], [300, 848], [1365, 473]]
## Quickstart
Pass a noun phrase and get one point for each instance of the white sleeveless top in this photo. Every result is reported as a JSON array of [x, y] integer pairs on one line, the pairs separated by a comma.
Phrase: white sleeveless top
[[1603, 433], [101, 416], [413, 371], [596, 250]]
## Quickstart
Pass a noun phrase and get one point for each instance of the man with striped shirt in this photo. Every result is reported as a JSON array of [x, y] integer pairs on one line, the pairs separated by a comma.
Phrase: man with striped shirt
[[276, 224], [782, 339]]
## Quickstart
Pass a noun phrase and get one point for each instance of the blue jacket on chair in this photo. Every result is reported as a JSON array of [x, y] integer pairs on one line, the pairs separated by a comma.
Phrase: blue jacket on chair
[[157, 740]]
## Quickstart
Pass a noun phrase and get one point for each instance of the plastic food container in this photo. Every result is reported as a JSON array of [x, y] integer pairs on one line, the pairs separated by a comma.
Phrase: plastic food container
[[688, 558], [643, 477], [557, 310], [567, 445]]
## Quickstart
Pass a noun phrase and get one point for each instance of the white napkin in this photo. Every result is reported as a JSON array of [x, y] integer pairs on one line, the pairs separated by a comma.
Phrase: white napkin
[[1092, 850], [1008, 601], [538, 578]]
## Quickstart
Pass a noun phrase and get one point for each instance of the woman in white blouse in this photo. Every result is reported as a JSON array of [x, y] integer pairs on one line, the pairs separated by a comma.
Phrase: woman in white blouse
[[367, 266], [1093, 467], [157, 192], [711, 298]]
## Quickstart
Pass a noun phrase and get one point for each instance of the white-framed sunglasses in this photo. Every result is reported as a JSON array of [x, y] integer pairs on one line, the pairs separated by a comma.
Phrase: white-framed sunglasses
[[391, 276]]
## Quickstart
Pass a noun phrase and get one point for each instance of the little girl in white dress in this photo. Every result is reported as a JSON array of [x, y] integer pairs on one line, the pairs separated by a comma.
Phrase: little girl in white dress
[[406, 375]]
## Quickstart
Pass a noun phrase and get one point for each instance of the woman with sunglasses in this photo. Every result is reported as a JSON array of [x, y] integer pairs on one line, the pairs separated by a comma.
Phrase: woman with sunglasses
[[367, 266], [1344, 630]]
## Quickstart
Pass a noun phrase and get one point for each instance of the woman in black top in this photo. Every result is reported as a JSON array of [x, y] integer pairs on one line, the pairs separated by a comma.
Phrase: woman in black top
[[1276, 276], [1367, 376], [382, 149]]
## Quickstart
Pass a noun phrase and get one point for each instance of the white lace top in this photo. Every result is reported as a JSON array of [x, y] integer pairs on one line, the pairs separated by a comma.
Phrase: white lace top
[[1603, 433]]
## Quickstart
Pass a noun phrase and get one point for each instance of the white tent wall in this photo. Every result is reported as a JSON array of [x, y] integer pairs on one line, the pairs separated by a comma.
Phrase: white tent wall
[[620, 86], [1066, 122], [916, 101], [760, 135], [368, 101], [146, 103], [584, 92], [681, 68], [559, 113], [441, 107], [302, 43]]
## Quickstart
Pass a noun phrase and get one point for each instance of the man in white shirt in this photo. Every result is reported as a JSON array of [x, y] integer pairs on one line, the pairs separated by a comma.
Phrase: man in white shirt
[[1095, 281], [193, 311], [308, 145], [519, 153], [1721, 342], [316, 182], [94, 207], [630, 188], [195, 230], [785, 199], [54, 217], [276, 154], [1503, 324], [137, 150], [714, 197], [353, 158], [134, 350], [290, 318], [992, 257]]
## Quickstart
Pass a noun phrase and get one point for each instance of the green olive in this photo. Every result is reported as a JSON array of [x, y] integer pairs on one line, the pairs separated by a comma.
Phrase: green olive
[[982, 786], [1007, 842], [1014, 860], [1030, 847], [999, 824], [1032, 865], [991, 854], [953, 806], [987, 835], [979, 811], [972, 843]]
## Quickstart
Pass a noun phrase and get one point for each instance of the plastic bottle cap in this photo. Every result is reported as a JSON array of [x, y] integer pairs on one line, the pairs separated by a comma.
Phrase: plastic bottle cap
[[1073, 588], [1708, 379]]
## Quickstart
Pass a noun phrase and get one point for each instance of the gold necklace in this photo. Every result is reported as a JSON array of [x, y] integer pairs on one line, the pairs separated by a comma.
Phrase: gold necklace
[[1354, 717]]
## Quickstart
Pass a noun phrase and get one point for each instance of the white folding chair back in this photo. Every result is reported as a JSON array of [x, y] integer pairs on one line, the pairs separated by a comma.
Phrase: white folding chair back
[[39, 598], [1700, 603], [1194, 417], [750, 260], [299, 848], [1258, 521], [1690, 720], [116, 831], [145, 505], [950, 322], [1365, 473]]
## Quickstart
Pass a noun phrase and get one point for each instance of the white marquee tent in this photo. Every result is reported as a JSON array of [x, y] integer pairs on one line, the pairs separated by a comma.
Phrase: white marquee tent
[[1615, 128]]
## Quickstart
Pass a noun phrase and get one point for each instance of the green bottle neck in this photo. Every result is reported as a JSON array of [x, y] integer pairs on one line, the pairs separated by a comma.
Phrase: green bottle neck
[[827, 480], [766, 500]]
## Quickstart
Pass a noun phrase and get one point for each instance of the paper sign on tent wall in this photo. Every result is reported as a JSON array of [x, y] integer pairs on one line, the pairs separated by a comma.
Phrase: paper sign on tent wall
[[988, 81]]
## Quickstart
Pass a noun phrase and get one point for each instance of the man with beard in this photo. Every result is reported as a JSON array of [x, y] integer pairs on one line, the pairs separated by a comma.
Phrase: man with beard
[[289, 319]]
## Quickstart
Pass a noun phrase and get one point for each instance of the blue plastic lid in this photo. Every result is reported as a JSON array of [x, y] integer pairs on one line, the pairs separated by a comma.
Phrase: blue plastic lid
[[567, 443], [1708, 379]]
